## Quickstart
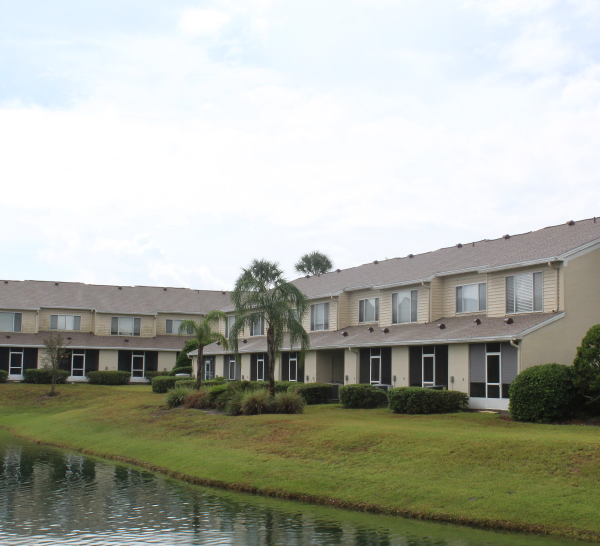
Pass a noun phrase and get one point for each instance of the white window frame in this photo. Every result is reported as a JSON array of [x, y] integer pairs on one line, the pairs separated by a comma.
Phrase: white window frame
[[135, 358], [537, 280], [14, 321], [80, 353], [362, 310], [426, 356], [460, 299], [373, 358], [120, 332], [15, 351], [209, 369], [175, 324], [229, 322], [414, 307], [314, 311], [257, 328], [231, 366], [293, 361], [65, 318], [499, 385], [260, 366]]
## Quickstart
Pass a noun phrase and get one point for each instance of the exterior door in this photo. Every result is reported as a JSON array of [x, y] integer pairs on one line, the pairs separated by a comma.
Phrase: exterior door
[[209, 368], [138, 365], [78, 365]]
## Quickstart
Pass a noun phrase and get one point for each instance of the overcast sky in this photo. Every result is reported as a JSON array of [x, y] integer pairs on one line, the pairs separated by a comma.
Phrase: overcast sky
[[170, 143]]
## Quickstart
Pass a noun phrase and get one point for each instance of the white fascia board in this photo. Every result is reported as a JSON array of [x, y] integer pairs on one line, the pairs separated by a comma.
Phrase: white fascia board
[[133, 313], [19, 309], [516, 265], [459, 271], [328, 295], [67, 307], [403, 283], [180, 313], [92, 347], [580, 250], [542, 324]]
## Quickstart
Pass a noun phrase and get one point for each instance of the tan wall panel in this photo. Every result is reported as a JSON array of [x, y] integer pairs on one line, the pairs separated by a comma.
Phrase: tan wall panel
[[385, 304], [351, 360], [166, 360], [400, 366], [86, 318], [161, 321], [497, 289], [310, 366], [245, 366], [458, 367], [330, 366], [437, 299], [558, 341], [355, 297], [344, 310], [103, 324], [108, 359], [450, 284]]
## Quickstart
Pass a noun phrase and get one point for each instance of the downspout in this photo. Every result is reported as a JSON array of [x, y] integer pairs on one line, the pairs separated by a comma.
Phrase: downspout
[[556, 268]]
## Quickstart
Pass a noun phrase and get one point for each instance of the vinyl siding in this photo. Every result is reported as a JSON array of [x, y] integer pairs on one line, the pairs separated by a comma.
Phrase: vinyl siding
[[497, 289], [86, 318], [344, 310], [385, 304], [29, 321], [450, 284], [437, 298], [161, 322], [103, 324], [355, 297], [333, 307]]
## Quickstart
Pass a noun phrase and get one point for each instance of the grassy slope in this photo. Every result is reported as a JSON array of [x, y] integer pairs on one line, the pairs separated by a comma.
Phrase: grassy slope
[[476, 466]]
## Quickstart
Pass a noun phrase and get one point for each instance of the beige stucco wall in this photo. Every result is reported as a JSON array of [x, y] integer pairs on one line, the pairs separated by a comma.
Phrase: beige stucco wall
[[166, 360], [310, 366], [245, 366], [108, 359], [351, 360], [458, 367], [330, 366], [400, 366], [103, 324], [86, 318], [558, 341]]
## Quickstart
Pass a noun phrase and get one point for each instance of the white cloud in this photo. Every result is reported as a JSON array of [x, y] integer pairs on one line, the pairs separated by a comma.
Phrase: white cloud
[[197, 21], [504, 9]]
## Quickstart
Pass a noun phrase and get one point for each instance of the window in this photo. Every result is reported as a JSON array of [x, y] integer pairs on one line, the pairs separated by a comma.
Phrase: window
[[524, 293], [209, 368], [231, 367], [10, 322], [368, 310], [229, 324], [78, 363], [319, 317], [15, 362], [260, 368], [138, 364], [65, 322], [428, 366], [375, 365], [172, 327], [257, 328], [471, 298], [404, 306], [125, 326], [293, 370]]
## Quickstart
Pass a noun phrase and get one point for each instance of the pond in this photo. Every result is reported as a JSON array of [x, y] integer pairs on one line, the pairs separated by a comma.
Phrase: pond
[[50, 497]]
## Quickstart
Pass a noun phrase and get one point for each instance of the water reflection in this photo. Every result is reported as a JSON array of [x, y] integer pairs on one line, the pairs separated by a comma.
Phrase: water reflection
[[50, 497]]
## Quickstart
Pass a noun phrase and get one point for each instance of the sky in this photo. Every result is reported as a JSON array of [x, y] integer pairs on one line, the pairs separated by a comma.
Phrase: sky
[[145, 142]]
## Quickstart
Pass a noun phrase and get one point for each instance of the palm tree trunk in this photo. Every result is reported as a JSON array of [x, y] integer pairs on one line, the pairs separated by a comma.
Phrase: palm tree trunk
[[271, 353], [200, 371]]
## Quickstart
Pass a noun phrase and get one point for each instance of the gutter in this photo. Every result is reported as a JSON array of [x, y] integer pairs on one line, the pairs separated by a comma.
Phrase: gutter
[[539, 261]]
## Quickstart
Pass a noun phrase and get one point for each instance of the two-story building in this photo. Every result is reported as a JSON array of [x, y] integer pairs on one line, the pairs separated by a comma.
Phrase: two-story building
[[467, 318], [130, 328]]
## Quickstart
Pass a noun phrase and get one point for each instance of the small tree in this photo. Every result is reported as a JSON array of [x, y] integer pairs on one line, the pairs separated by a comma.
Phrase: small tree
[[183, 359], [55, 353], [203, 333], [262, 294], [587, 365], [314, 263]]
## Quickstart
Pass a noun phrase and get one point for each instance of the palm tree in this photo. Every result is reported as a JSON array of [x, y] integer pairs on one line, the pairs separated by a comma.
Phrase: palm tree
[[202, 332], [314, 263], [261, 293]]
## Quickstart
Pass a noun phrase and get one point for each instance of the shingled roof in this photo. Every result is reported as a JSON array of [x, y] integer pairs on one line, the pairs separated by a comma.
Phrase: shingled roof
[[548, 244], [106, 298]]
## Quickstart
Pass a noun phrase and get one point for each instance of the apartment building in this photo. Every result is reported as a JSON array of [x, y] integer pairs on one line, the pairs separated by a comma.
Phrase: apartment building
[[467, 318], [130, 328]]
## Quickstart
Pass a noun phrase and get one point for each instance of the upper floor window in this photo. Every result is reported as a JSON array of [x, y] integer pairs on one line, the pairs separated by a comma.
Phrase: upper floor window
[[125, 326], [10, 322], [404, 306], [319, 316], [368, 310], [229, 324], [524, 292], [65, 322], [257, 328], [172, 327], [471, 298]]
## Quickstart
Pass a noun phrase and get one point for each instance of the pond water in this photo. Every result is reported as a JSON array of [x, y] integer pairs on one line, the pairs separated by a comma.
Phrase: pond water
[[50, 497]]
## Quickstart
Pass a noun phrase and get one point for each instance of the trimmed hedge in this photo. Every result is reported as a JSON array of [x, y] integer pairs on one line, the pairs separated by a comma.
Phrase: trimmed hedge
[[152, 375], [44, 376], [181, 369], [213, 382], [3, 376], [163, 383], [419, 400], [545, 393], [362, 396], [313, 393], [110, 377], [184, 382]]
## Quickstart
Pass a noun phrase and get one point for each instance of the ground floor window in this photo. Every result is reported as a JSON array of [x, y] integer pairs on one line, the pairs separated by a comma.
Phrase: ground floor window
[[258, 366], [376, 366], [289, 367], [428, 366], [493, 367], [231, 369]]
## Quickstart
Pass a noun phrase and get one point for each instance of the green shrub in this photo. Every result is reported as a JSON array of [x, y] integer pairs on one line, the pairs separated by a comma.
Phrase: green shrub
[[586, 367], [362, 396], [182, 369], [288, 402], [423, 401], [234, 404], [3, 376], [284, 386], [256, 402], [44, 376], [313, 393], [215, 381], [545, 393], [184, 382], [152, 375], [176, 396], [182, 358], [162, 384], [197, 399], [111, 377]]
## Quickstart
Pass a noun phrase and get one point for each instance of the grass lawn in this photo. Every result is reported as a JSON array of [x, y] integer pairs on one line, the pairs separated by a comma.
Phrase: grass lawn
[[465, 467]]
